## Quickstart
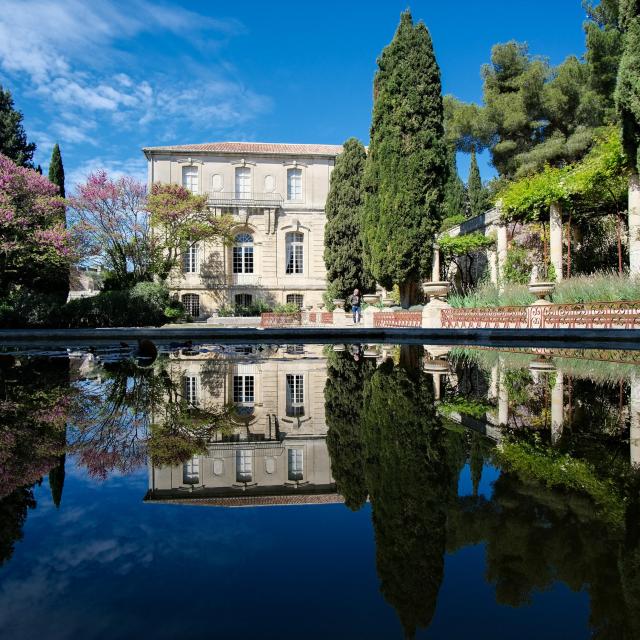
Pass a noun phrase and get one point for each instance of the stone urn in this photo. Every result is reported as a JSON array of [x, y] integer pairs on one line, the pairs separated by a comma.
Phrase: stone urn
[[339, 303], [387, 302], [541, 364], [541, 290], [370, 298], [338, 348], [437, 290], [436, 366], [321, 306], [308, 307]]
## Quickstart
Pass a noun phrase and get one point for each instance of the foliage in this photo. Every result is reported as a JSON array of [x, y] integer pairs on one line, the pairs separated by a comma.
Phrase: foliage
[[34, 245], [13, 139], [180, 218], [517, 265], [554, 469], [56, 170], [452, 221], [602, 286], [288, 307], [627, 92], [343, 250], [476, 191], [455, 201], [406, 167], [463, 250], [488, 295], [465, 406]]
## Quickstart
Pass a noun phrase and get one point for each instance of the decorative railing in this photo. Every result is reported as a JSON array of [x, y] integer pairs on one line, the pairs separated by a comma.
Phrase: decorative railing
[[495, 317], [317, 317], [253, 199], [588, 315], [280, 320], [389, 319]]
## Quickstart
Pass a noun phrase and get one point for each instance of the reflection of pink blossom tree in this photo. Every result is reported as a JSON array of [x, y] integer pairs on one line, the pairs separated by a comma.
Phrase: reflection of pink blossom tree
[[34, 244]]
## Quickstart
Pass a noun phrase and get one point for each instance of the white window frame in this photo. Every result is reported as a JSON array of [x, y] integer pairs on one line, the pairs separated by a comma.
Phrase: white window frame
[[190, 178], [243, 183], [191, 390], [295, 464], [191, 471], [295, 394], [294, 253], [244, 391], [244, 465], [243, 254], [187, 300], [294, 185], [190, 258]]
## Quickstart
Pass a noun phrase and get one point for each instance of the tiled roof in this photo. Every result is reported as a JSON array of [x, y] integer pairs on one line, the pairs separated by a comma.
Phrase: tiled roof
[[267, 148], [258, 501]]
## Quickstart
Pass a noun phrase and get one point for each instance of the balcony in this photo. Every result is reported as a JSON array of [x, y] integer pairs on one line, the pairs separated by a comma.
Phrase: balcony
[[244, 200]]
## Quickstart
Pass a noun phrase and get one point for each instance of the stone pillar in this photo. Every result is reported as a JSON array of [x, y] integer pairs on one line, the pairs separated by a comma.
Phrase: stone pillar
[[493, 382], [339, 318], [501, 251], [503, 397], [435, 264], [557, 408], [634, 225], [634, 421], [555, 238], [367, 316]]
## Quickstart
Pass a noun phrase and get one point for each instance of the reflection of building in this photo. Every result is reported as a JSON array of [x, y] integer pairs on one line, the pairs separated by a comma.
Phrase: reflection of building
[[276, 451], [276, 194]]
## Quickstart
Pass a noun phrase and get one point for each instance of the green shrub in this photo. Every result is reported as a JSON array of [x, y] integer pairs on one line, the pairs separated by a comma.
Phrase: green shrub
[[603, 286], [226, 311], [488, 295], [175, 311], [289, 307], [517, 265], [25, 308]]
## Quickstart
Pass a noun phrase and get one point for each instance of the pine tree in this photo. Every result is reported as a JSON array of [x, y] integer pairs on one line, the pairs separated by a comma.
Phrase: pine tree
[[455, 197], [477, 192], [406, 167], [343, 253], [56, 169], [13, 139]]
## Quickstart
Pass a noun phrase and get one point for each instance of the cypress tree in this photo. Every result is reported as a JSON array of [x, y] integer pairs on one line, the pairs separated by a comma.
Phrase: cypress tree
[[406, 167], [56, 169], [13, 139], [455, 197], [56, 175], [343, 253], [56, 480], [478, 200]]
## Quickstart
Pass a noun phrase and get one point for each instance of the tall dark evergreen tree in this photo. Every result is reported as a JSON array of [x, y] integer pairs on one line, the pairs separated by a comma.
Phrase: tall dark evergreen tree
[[56, 169], [13, 139], [455, 197], [477, 193], [406, 167], [343, 252]]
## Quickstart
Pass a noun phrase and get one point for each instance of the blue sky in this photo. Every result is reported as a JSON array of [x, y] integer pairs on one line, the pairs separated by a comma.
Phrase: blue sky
[[107, 78]]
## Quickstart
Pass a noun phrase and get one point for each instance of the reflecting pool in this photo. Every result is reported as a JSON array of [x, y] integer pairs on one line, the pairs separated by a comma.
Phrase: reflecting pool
[[343, 491]]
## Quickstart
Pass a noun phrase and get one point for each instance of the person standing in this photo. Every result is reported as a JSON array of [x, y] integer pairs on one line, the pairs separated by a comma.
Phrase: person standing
[[355, 305]]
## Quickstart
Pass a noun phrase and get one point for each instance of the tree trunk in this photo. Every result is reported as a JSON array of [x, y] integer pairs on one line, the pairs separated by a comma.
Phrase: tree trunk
[[408, 293], [569, 246]]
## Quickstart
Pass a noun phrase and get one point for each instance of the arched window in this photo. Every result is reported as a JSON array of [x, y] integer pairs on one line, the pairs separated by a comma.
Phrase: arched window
[[294, 184], [243, 253], [243, 183], [295, 252], [190, 258], [191, 302]]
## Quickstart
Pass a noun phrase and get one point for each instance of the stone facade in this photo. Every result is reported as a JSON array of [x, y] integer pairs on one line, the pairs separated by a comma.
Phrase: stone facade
[[276, 194], [276, 446]]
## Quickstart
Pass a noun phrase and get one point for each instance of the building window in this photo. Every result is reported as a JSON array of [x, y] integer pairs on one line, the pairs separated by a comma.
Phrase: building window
[[190, 389], [191, 302], [243, 302], [244, 393], [243, 253], [294, 184], [244, 471], [295, 395], [190, 258], [243, 183], [296, 464], [191, 471], [190, 178], [295, 252], [295, 298], [295, 349]]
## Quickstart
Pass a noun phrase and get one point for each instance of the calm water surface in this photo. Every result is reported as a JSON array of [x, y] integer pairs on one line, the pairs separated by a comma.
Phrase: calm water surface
[[346, 491]]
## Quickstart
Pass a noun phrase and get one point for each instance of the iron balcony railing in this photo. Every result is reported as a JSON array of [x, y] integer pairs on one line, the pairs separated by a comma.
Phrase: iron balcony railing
[[228, 199]]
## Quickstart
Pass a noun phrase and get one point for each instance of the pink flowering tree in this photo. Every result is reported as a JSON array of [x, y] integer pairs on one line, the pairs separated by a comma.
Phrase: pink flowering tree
[[111, 218], [34, 244], [139, 236]]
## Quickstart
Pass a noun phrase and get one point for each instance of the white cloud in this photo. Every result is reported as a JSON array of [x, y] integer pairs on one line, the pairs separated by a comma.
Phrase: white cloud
[[133, 167]]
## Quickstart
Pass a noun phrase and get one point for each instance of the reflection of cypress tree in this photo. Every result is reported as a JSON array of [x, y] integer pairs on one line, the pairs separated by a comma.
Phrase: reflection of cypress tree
[[410, 476], [476, 460], [343, 407], [13, 513], [56, 480]]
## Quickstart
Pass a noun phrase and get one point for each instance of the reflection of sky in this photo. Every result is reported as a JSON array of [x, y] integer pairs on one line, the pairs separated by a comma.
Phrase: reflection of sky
[[106, 565], [489, 476]]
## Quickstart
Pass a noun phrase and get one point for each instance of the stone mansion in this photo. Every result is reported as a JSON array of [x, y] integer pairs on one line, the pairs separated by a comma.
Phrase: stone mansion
[[276, 194]]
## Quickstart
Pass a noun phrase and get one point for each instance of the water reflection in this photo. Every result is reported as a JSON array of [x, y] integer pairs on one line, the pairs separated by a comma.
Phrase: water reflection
[[384, 428]]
